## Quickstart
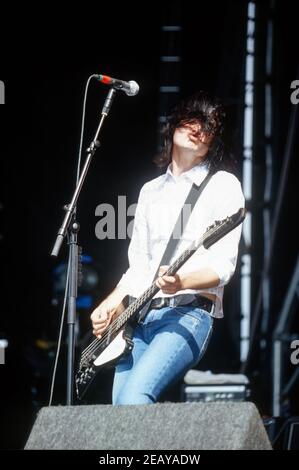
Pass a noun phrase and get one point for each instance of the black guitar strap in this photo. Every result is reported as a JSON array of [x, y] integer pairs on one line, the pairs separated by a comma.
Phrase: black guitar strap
[[179, 228]]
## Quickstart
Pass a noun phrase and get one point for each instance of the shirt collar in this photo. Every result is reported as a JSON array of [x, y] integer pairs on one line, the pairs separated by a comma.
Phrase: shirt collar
[[196, 174]]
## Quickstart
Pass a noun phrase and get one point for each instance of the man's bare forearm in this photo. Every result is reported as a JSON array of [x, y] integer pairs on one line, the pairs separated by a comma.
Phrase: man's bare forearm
[[202, 279], [116, 296]]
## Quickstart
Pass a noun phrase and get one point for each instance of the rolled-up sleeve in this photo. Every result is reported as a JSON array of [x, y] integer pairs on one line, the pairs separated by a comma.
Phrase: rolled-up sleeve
[[222, 257]]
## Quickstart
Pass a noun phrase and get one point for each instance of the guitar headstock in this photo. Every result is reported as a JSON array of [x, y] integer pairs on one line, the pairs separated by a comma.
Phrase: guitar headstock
[[221, 227]]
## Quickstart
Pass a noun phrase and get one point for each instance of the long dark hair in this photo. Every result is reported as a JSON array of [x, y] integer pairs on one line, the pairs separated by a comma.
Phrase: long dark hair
[[212, 115]]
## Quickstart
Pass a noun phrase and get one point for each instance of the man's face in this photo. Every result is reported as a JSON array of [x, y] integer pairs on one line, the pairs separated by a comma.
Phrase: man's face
[[190, 136]]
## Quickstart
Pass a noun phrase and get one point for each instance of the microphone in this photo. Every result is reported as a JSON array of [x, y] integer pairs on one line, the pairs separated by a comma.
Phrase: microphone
[[131, 88]]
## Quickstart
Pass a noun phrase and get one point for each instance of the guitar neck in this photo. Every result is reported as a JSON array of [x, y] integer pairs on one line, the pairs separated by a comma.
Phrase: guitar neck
[[149, 293], [211, 236]]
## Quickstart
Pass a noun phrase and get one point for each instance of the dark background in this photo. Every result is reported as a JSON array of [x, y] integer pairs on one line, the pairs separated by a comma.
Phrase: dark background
[[46, 59]]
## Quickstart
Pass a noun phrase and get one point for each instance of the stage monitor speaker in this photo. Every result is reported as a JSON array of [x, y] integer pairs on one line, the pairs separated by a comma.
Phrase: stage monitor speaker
[[165, 426]]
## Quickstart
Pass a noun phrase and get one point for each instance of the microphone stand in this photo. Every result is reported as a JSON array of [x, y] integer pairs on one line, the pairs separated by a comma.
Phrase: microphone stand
[[71, 226]]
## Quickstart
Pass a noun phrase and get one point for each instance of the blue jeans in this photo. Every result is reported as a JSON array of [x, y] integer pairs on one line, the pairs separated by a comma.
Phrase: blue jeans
[[167, 344]]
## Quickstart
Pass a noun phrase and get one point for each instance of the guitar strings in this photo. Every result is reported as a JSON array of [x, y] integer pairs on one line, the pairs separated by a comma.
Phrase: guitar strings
[[127, 313], [118, 322], [115, 325]]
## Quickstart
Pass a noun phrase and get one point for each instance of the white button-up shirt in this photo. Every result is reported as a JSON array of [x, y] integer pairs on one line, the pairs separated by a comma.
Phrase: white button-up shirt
[[159, 204]]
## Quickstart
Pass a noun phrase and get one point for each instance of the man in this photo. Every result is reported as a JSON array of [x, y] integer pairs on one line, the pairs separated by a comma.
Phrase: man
[[174, 334]]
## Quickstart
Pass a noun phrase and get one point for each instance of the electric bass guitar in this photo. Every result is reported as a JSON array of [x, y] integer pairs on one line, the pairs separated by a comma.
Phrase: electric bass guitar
[[117, 339]]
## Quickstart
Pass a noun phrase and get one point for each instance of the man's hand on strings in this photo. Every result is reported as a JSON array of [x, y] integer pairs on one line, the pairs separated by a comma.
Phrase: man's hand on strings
[[101, 318], [168, 284]]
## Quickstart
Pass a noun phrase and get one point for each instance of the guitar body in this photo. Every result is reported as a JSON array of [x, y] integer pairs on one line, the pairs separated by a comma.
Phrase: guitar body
[[105, 353]]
